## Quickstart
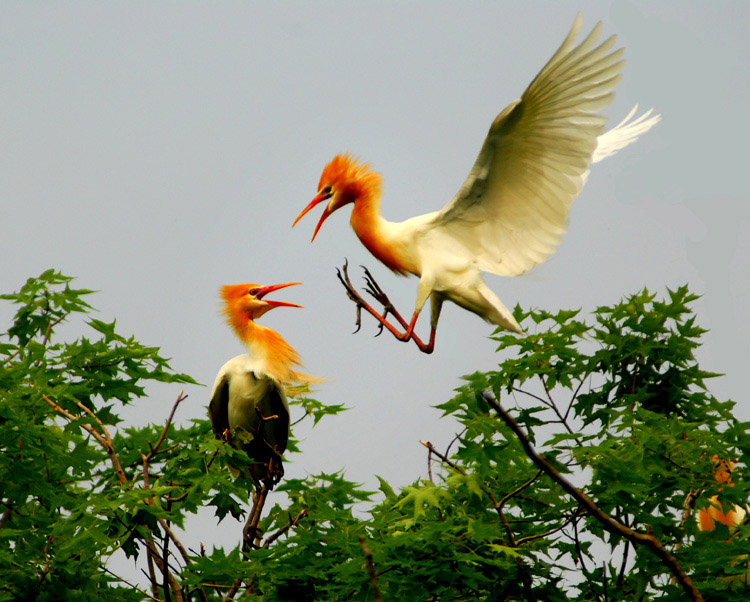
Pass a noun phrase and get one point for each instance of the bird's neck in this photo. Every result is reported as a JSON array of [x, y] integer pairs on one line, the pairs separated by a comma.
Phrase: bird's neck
[[378, 234], [271, 355]]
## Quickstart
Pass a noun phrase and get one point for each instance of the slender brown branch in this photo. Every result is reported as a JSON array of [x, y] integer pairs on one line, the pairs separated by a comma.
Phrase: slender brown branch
[[104, 439], [250, 535], [621, 575], [588, 505], [573, 398], [518, 490], [443, 457], [151, 571], [604, 581], [174, 586], [527, 538], [11, 356], [50, 326], [271, 538], [456, 438], [370, 569], [429, 465], [165, 553], [211, 459], [577, 545], [125, 581], [523, 573], [154, 450], [553, 405], [109, 446]]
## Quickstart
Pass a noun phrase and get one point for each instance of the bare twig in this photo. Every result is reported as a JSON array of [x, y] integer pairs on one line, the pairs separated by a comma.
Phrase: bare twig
[[429, 465], [155, 449], [370, 570], [577, 545], [250, 534], [50, 326], [553, 405], [103, 438], [443, 457], [527, 538], [621, 575], [125, 581], [517, 490], [588, 505], [271, 538], [573, 398], [522, 572], [456, 438], [604, 581], [174, 586]]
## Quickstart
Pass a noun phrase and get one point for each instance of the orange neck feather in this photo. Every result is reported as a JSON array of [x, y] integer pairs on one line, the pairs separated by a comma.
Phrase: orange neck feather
[[357, 183], [275, 357], [367, 224]]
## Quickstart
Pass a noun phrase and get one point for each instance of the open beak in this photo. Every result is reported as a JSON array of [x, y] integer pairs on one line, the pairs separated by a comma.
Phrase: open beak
[[326, 212], [263, 291]]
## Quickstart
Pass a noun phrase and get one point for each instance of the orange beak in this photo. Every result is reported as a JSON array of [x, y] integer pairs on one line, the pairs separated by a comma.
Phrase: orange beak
[[263, 291], [326, 212]]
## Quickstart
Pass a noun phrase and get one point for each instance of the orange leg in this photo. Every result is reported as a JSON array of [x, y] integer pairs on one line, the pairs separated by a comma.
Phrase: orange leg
[[374, 289]]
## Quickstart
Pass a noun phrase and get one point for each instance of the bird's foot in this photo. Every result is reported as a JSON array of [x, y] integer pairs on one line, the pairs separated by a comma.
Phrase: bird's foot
[[351, 293], [377, 293], [373, 288]]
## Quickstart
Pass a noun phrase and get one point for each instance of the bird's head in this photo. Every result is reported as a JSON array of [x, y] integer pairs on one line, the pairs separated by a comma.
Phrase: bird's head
[[344, 180], [244, 302]]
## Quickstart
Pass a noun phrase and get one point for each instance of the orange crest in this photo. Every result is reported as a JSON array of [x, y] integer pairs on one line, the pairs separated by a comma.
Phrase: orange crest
[[232, 292], [351, 177]]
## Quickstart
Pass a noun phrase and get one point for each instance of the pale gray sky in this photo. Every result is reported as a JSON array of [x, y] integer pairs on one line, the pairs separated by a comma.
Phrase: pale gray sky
[[157, 150]]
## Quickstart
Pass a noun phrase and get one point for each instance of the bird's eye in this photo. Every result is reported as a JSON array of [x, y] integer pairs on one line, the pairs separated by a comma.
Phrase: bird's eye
[[253, 292], [326, 190]]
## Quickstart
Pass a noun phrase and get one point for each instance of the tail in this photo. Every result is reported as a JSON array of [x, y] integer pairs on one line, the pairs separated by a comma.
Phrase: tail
[[624, 133]]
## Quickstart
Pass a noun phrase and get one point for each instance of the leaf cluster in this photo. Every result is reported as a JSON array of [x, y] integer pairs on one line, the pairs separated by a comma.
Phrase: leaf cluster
[[625, 435]]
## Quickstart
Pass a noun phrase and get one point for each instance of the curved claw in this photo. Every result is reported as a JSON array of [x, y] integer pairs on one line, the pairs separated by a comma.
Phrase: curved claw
[[373, 289]]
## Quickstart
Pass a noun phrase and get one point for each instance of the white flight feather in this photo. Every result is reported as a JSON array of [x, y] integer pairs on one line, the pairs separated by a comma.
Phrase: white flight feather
[[512, 210]]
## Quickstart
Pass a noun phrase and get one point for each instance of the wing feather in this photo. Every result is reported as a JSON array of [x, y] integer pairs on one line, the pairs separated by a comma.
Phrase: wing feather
[[512, 210], [217, 407]]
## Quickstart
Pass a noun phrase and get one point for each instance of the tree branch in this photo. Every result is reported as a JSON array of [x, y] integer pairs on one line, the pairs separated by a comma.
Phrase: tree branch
[[370, 569], [588, 505], [104, 439], [271, 538], [155, 449], [250, 536], [443, 457]]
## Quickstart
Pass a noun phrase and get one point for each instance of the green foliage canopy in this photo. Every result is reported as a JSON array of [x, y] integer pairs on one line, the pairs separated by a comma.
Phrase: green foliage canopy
[[578, 468]]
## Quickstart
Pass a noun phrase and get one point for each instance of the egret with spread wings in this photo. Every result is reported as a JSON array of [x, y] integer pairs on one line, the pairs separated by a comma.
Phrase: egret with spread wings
[[512, 210]]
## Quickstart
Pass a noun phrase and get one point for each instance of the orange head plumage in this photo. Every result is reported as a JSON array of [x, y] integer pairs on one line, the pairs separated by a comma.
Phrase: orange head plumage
[[244, 303], [344, 180]]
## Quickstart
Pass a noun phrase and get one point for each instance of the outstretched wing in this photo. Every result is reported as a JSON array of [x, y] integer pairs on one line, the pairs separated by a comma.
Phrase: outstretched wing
[[513, 208]]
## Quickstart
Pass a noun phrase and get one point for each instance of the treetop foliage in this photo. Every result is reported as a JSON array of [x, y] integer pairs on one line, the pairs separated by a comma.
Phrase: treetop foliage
[[577, 473]]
